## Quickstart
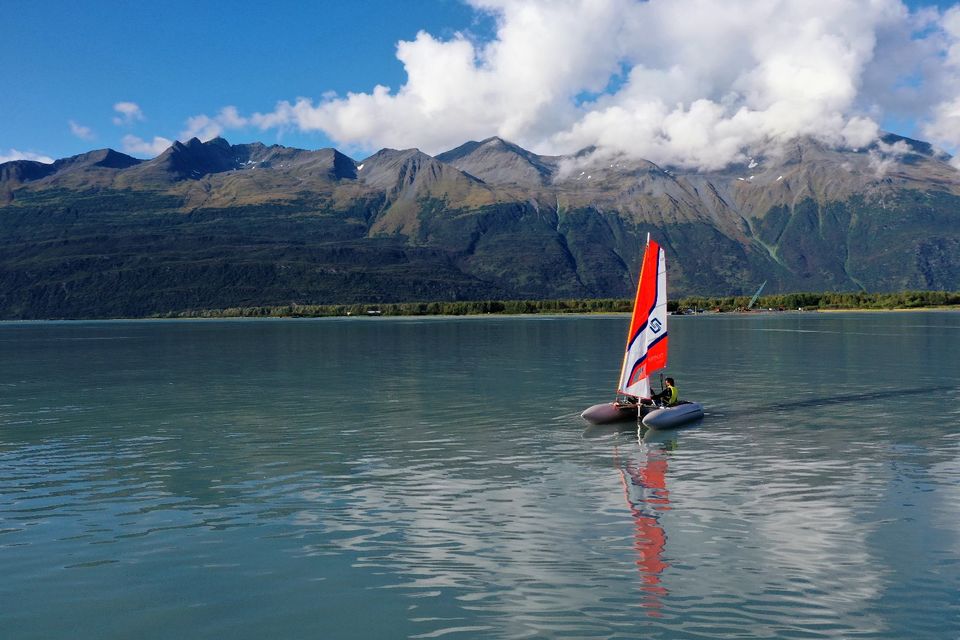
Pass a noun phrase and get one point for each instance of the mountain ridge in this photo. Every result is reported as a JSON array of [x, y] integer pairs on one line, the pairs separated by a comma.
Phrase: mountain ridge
[[211, 224]]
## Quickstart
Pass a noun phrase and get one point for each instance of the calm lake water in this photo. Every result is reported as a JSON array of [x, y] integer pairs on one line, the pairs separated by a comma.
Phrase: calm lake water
[[381, 478]]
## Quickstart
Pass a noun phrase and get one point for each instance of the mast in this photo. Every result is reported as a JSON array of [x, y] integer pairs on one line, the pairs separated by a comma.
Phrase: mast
[[753, 300]]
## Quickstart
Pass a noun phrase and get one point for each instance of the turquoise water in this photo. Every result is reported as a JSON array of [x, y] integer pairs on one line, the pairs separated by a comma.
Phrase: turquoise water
[[380, 478]]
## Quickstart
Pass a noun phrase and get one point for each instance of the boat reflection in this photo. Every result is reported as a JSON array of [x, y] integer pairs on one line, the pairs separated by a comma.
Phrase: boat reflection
[[644, 482]]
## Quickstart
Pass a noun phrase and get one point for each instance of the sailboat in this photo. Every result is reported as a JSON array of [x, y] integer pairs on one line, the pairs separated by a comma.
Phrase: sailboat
[[645, 354]]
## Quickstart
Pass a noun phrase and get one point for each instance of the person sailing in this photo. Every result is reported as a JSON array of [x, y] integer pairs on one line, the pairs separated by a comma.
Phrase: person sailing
[[670, 394]]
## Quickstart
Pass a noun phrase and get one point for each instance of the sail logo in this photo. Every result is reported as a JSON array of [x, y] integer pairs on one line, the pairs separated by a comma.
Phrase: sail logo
[[655, 326]]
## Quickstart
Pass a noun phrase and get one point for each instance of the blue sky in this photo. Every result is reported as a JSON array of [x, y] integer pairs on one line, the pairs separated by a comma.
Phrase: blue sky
[[174, 59], [69, 64]]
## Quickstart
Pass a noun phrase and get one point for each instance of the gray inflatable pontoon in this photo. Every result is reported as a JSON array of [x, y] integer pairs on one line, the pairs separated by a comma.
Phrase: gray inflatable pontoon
[[610, 412], [675, 416]]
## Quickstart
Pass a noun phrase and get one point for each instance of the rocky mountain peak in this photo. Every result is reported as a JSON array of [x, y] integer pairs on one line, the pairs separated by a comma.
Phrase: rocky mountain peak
[[499, 162], [192, 160], [104, 158], [391, 168], [216, 142]]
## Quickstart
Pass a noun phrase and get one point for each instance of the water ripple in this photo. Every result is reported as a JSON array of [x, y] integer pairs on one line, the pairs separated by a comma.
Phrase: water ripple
[[235, 479]]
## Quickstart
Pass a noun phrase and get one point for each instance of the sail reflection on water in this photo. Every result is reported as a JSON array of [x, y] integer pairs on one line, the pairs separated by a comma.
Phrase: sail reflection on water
[[647, 497]]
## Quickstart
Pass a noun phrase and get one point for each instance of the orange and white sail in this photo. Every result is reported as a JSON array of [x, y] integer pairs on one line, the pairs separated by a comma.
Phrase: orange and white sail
[[646, 350]]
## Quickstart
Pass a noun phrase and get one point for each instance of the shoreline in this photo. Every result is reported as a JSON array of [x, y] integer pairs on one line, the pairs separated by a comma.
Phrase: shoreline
[[793, 303], [949, 307], [427, 316]]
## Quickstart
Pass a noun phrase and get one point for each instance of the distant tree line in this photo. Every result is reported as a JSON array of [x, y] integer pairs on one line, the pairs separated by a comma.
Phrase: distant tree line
[[458, 308], [826, 301], [785, 301]]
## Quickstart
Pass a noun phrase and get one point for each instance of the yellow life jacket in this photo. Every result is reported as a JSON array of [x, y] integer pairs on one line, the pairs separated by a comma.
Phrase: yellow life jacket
[[674, 396]]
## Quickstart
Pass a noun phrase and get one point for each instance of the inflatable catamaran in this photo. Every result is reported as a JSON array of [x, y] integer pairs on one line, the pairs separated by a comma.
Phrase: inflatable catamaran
[[646, 353]]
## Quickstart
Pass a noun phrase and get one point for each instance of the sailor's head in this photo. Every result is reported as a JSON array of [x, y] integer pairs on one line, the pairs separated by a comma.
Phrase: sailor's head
[[670, 381]]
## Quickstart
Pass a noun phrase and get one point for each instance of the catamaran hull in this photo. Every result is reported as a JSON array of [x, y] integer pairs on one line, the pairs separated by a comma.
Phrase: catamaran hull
[[609, 412], [672, 417]]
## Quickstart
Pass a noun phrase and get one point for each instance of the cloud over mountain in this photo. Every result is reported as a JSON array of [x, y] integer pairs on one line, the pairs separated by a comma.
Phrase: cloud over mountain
[[694, 83], [14, 154], [140, 147]]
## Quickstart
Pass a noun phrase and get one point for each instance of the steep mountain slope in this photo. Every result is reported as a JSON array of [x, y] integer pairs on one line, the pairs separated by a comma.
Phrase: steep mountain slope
[[212, 224], [13, 174], [407, 179]]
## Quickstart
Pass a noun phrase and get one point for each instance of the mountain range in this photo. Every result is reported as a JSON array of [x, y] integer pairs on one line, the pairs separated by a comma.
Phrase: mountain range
[[214, 225]]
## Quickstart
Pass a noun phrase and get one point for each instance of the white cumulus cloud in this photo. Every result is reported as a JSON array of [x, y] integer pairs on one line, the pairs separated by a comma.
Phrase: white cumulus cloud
[[139, 147], [80, 131], [128, 113], [206, 128], [12, 154], [697, 83], [942, 125]]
